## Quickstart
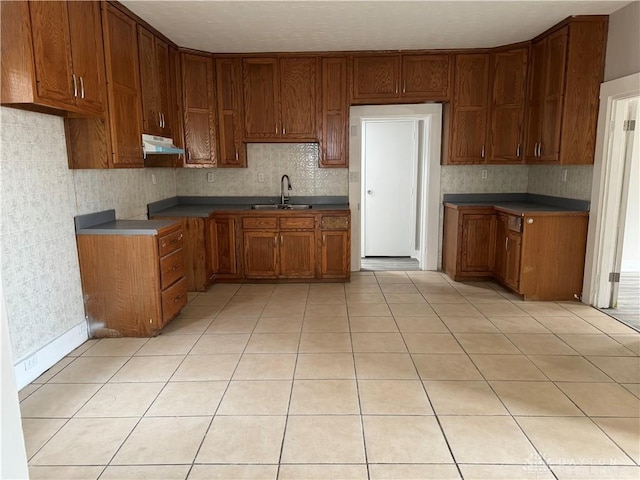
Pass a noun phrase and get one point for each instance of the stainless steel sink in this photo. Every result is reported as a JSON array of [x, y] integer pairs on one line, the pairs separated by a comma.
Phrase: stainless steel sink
[[281, 206]]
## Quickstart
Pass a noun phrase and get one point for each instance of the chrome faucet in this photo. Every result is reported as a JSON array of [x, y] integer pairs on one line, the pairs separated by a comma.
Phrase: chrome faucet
[[284, 198]]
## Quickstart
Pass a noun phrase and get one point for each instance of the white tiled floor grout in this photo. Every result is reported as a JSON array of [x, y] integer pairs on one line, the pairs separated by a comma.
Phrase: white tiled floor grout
[[611, 434]]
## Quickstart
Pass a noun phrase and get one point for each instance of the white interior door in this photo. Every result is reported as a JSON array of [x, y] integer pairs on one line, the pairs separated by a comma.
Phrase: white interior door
[[389, 171]]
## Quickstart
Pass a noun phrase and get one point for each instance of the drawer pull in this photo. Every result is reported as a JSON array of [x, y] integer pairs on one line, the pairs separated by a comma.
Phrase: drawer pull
[[175, 267], [177, 299]]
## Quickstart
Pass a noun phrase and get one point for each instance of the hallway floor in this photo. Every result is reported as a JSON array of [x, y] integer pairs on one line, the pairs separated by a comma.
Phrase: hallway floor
[[395, 375], [628, 310]]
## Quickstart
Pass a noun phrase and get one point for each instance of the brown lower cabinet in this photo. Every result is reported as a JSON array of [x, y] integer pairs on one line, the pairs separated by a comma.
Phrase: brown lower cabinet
[[539, 255], [133, 285]]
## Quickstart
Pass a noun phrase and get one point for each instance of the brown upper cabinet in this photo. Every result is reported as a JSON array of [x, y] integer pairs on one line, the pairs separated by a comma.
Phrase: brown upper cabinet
[[155, 83], [506, 124], [334, 148], [393, 78], [567, 66], [280, 98], [199, 110], [233, 152], [125, 106], [53, 56], [470, 109]]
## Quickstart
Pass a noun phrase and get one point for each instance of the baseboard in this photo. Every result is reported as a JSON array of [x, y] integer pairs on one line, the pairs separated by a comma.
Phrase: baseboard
[[39, 362]]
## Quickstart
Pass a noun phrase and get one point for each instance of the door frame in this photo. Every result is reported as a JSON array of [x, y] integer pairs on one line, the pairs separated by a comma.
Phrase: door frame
[[429, 147], [608, 181], [414, 180]]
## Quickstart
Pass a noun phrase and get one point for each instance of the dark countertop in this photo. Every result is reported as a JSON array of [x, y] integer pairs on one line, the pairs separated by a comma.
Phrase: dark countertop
[[519, 203], [205, 206], [105, 223]]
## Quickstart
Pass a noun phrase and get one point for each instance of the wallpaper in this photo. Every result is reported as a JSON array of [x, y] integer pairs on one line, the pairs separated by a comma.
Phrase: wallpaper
[[547, 180], [272, 160]]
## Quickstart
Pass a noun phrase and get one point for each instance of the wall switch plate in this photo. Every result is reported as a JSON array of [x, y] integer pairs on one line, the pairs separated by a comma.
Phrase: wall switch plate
[[564, 175], [154, 179], [354, 177], [484, 173], [261, 178], [30, 362], [210, 177]]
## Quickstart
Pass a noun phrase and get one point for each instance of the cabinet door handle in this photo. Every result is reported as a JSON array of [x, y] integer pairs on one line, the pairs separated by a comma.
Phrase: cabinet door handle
[[81, 87], [236, 154], [188, 154], [482, 152], [324, 239], [404, 87], [540, 150], [518, 151], [281, 240], [276, 128], [284, 130], [75, 85], [506, 244], [535, 150]]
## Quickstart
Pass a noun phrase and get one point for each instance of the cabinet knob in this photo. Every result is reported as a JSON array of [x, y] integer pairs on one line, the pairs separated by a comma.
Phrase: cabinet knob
[[529, 221]]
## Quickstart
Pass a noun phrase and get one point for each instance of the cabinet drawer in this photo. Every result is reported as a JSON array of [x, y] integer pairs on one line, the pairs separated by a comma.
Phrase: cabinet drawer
[[170, 243], [173, 299], [297, 222], [335, 222], [260, 223], [171, 268]]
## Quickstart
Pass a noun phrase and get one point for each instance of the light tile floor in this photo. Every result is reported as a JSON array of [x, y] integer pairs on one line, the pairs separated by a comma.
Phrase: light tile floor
[[395, 375]]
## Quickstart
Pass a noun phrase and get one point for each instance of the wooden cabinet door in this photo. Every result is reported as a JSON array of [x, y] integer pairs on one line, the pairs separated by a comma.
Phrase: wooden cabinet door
[[297, 254], [501, 245], [222, 247], [230, 121], [376, 77], [553, 95], [470, 101], [512, 260], [199, 110], [260, 254], [175, 99], [298, 94], [164, 87], [335, 113], [478, 241], [534, 101], [55, 78], [88, 55], [335, 254], [261, 98], [507, 106], [149, 82], [125, 108], [426, 77]]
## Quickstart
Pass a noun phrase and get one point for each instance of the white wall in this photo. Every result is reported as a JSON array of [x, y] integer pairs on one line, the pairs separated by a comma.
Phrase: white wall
[[39, 198], [623, 43], [298, 160]]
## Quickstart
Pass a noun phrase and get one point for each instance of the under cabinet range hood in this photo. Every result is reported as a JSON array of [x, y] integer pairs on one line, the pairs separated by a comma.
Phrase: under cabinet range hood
[[152, 145]]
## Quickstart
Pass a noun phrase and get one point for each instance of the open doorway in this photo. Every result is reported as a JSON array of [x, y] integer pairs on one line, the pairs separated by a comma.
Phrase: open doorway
[[394, 186], [612, 266], [388, 205]]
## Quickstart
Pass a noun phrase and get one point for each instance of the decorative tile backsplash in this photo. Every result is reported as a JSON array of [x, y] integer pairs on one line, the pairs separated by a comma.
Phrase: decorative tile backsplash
[[468, 179], [272, 160], [548, 180], [40, 196]]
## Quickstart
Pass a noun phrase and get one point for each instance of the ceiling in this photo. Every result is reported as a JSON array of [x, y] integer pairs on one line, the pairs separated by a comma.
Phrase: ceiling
[[280, 26]]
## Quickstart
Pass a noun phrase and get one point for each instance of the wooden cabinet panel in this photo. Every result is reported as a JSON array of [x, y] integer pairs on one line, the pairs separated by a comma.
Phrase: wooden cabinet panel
[[164, 87], [299, 84], [260, 254], [534, 100], [174, 299], [125, 109], [335, 254], [499, 267], [222, 246], [426, 76], [199, 110], [151, 122], [376, 77], [334, 149], [512, 260], [233, 152], [55, 78], [87, 51], [478, 240], [507, 107], [470, 109], [297, 254], [171, 268], [261, 98]]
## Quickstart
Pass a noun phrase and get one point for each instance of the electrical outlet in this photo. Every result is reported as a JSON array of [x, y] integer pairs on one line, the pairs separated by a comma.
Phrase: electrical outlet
[[210, 177], [484, 173], [564, 175], [154, 179], [30, 362], [261, 178], [82, 327]]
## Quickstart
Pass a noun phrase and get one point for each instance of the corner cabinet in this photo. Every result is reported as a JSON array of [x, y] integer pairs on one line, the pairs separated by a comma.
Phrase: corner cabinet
[[199, 110], [233, 152], [567, 67], [280, 98], [138, 291]]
